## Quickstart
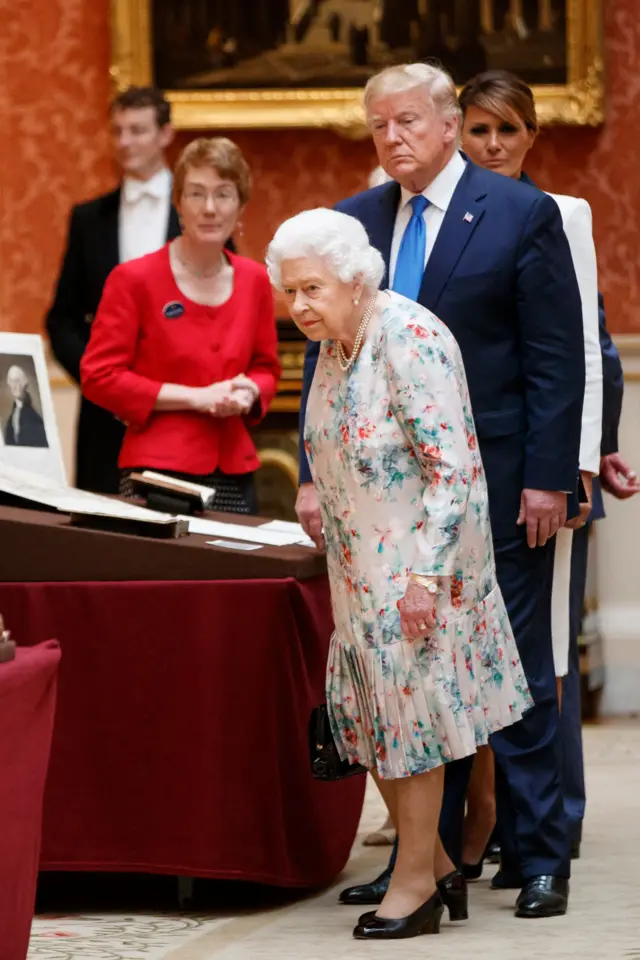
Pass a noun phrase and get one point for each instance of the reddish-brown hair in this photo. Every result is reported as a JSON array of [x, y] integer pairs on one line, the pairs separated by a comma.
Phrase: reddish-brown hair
[[222, 155]]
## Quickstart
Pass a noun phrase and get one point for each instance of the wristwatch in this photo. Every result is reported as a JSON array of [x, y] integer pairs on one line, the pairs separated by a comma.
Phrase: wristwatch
[[431, 583]]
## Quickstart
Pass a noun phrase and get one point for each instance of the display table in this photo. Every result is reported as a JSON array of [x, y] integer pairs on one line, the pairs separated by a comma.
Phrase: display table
[[181, 733], [27, 704]]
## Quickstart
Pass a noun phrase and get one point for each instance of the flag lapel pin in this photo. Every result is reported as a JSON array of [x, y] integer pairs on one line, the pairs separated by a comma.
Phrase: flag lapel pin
[[468, 217]]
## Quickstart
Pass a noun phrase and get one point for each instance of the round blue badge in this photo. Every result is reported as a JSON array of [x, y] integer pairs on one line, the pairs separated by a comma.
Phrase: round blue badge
[[173, 310]]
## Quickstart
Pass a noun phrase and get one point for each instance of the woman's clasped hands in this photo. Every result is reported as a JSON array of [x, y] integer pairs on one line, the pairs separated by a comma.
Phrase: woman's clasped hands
[[227, 398]]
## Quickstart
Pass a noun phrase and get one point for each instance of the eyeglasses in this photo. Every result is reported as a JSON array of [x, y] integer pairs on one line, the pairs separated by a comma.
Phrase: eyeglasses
[[198, 197]]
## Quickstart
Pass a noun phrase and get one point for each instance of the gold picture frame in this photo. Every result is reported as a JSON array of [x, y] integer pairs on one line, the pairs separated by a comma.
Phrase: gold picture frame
[[579, 102]]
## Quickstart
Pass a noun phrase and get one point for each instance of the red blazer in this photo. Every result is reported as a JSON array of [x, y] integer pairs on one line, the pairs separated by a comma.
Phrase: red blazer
[[147, 333]]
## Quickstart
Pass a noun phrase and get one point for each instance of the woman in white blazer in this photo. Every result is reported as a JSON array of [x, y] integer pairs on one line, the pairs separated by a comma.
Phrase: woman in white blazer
[[499, 128]]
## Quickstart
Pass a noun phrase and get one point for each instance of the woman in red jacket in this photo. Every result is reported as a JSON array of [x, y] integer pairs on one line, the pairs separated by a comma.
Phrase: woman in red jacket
[[184, 346]]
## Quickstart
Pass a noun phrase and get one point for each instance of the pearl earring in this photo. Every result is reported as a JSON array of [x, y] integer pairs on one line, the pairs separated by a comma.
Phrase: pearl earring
[[240, 229], [356, 302]]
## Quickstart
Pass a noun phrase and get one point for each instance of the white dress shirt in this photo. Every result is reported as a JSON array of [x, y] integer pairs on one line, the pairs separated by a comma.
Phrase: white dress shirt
[[144, 215], [15, 420], [439, 194]]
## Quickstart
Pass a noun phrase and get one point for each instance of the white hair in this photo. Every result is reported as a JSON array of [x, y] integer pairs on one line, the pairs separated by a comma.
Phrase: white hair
[[341, 241], [407, 76], [17, 372]]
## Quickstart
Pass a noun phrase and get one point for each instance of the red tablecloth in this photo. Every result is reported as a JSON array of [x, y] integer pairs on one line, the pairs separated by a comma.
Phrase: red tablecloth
[[181, 732], [27, 704]]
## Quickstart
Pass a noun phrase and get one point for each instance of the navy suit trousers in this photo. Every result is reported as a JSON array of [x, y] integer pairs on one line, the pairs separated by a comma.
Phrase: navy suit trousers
[[531, 815]]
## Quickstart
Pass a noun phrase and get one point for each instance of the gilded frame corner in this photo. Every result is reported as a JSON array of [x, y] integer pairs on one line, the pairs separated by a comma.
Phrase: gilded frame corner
[[580, 102]]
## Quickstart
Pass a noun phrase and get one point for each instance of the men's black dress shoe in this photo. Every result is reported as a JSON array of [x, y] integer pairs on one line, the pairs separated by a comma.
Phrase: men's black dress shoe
[[452, 888], [426, 919], [544, 896], [367, 894], [506, 880]]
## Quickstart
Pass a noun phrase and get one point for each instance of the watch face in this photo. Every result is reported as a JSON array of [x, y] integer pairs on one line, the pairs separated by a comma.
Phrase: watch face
[[433, 588]]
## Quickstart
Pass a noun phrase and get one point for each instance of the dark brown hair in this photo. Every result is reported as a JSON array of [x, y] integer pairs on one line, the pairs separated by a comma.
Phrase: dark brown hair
[[503, 94], [134, 98], [222, 155]]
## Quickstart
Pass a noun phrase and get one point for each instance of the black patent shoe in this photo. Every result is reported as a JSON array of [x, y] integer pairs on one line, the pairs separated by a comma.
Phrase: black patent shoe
[[367, 894], [452, 888], [455, 895], [544, 896], [424, 920]]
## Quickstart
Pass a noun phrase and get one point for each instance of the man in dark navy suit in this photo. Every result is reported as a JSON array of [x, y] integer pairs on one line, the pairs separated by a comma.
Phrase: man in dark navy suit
[[496, 268]]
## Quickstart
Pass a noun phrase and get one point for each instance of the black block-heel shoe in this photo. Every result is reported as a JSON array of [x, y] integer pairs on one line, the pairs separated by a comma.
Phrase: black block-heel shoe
[[455, 895], [473, 871], [424, 920]]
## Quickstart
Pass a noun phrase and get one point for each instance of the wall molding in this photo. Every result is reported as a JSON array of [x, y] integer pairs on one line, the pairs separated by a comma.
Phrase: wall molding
[[628, 344], [620, 630]]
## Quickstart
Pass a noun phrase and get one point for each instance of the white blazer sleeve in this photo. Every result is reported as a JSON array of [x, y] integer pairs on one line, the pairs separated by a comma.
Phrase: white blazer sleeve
[[577, 223]]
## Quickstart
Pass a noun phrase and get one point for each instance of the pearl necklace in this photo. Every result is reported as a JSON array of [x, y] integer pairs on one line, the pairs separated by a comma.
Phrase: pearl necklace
[[345, 362]]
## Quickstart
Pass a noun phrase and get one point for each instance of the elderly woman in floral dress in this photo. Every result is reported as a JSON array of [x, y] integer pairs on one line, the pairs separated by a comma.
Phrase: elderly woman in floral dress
[[423, 666]]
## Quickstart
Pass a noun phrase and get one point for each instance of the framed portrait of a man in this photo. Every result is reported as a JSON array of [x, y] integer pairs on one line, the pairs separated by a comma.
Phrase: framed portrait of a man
[[28, 430], [283, 63]]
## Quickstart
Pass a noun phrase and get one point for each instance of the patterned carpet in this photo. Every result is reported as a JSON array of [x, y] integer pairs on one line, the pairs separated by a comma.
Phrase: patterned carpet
[[115, 937], [603, 921]]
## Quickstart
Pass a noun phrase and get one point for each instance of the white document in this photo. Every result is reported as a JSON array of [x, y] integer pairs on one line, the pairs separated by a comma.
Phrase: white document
[[44, 490], [287, 526], [236, 531], [234, 545]]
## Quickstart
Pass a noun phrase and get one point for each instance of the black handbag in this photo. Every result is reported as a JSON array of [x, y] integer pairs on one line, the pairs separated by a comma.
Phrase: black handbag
[[325, 759]]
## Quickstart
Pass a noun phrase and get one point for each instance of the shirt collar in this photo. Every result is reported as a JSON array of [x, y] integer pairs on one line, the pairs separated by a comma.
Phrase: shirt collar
[[158, 186], [440, 191]]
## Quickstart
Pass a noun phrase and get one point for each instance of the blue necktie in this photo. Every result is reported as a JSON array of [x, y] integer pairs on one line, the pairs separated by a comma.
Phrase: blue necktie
[[410, 263]]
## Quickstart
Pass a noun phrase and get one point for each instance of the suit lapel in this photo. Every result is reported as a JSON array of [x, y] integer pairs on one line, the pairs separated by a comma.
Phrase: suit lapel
[[111, 229], [381, 223], [461, 219]]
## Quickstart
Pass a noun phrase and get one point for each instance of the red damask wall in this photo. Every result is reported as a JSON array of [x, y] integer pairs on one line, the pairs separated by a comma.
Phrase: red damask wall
[[54, 151]]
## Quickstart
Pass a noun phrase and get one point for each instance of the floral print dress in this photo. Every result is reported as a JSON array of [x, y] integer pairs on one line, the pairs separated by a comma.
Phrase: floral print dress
[[394, 457]]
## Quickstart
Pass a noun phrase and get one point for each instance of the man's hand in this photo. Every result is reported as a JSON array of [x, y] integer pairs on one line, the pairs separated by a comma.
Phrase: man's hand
[[308, 510], [585, 508], [617, 477], [544, 512]]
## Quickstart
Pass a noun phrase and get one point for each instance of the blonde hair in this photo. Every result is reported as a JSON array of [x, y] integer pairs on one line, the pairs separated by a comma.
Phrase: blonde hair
[[222, 155], [340, 240], [407, 76]]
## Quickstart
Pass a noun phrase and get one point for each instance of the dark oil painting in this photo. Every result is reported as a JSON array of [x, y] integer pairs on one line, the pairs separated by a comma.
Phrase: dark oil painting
[[313, 44]]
